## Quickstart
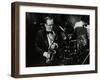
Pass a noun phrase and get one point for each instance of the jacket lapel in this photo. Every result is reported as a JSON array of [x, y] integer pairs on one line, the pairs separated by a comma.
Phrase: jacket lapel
[[45, 39]]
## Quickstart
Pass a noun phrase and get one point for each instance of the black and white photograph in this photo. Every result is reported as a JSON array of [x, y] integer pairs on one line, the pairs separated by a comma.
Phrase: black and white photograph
[[57, 39], [51, 39]]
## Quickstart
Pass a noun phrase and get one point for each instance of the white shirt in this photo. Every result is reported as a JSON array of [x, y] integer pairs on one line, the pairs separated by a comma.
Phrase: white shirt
[[50, 38]]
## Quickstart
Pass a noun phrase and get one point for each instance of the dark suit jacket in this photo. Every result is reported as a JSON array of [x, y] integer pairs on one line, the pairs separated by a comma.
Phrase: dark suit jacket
[[41, 43]]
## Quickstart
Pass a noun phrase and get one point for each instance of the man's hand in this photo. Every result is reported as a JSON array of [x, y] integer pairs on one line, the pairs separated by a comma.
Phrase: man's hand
[[45, 54], [54, 45]]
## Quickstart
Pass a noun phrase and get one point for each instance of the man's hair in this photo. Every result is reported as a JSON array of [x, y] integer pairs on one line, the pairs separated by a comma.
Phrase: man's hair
[[48, 18]]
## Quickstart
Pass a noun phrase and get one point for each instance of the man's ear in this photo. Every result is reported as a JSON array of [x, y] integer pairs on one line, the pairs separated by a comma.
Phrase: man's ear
[[45, 25]]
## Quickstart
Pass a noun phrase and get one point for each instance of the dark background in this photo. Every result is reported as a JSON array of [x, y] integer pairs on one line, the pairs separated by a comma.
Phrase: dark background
[[35, 21]]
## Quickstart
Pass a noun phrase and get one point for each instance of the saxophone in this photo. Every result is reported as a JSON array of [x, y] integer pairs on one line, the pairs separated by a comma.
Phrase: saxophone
[[52, 53]]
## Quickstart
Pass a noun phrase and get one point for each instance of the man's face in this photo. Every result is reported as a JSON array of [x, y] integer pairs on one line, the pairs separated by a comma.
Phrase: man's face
[[49, 24]]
